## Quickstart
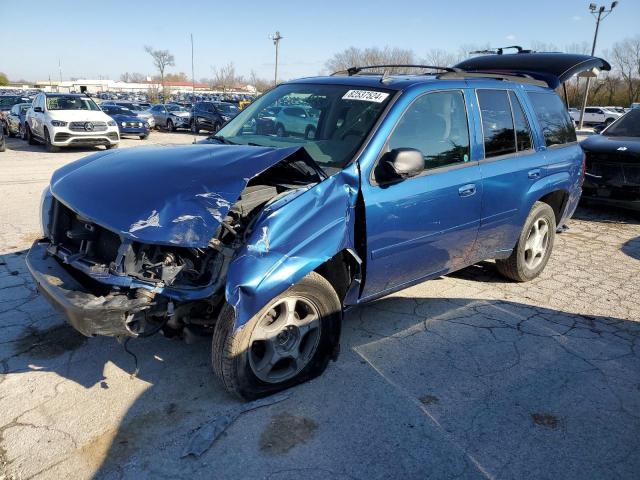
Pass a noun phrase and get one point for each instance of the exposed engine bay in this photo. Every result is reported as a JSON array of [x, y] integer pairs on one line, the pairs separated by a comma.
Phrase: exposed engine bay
[[159, 287]]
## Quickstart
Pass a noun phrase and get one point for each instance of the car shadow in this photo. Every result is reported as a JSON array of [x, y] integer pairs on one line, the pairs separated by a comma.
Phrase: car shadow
[[632, 248], [537, 379]]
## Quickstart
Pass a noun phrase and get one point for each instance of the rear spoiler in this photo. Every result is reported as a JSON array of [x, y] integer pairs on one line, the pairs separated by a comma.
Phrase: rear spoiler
[[551, 68]]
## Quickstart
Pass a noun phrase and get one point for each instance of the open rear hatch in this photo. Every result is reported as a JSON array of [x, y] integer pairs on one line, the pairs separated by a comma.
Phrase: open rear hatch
[[551, 68]]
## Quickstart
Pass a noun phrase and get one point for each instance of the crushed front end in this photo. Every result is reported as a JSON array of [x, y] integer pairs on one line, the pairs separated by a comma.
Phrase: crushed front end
[[116, 282]]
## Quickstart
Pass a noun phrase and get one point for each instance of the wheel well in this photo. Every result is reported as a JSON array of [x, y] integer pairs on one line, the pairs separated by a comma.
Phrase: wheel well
[[557, 201], [340, 271]]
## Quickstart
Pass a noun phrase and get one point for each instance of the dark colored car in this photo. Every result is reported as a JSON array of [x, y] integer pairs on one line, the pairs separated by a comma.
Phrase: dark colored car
[[263, 241], [211, 116], [16, 118], [6, 103], [613, 164], [128, 122]]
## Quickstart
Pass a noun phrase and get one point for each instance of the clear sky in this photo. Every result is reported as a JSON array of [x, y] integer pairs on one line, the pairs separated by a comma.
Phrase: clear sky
[[105, 38]]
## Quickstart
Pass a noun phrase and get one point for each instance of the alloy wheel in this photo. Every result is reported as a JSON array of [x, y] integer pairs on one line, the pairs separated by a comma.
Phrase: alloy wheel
[[284, 340], [537, 243]]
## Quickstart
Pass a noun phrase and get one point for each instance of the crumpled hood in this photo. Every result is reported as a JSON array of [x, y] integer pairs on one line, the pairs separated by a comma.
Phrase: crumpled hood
[[162, 195]]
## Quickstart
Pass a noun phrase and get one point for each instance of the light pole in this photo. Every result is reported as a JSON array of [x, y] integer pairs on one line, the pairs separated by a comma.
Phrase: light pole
[[276, 41], [600, 13]]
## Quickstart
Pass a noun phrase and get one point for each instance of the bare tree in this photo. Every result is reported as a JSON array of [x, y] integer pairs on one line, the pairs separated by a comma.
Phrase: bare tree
[[133, 77], [626, 58], [225, 76], [261, 85], [440, 58], [161, 59], [353, 57]]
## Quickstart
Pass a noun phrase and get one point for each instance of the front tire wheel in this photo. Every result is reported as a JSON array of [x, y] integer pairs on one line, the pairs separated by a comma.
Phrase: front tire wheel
[[532, 252], [47, 142], [170, 126], [29, 134], [289, 341]]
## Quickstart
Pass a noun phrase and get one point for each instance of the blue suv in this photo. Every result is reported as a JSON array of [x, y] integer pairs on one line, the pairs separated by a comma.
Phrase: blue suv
[[263, 240]]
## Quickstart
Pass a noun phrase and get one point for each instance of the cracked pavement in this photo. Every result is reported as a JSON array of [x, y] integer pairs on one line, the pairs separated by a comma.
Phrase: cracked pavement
[[465, 376]]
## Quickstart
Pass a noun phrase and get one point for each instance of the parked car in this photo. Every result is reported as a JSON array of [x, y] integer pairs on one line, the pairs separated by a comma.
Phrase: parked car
[[63, 120], [211, 116], [6, 104], [16, 118], [138, 109], [3, 145], [128, 122], [263, 240], [297, 120], [596, 115], [171, 116], [613, 164]]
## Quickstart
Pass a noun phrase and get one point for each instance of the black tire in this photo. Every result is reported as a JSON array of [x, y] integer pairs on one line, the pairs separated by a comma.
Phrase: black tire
[[609, 121], [110, 146], [47, 143], [30, 139], [3, 144], [170, 126], [194, 127], [280, 131], [216, 127], [22, 132], [230, 346], [515, 267], [144, 137]]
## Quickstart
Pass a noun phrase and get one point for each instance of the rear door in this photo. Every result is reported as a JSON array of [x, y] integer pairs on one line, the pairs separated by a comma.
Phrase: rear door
[[425, 225], [510, 165]]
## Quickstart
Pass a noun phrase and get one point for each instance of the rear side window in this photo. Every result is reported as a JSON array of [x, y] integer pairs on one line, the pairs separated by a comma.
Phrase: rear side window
[[557, 126], [497, 123], [523, 133]]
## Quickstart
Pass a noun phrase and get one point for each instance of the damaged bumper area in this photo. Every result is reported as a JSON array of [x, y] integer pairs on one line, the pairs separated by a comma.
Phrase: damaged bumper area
[[114, 314]]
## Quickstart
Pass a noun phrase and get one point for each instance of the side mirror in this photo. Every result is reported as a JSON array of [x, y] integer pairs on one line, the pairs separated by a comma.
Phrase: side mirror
[[599, 128], [400, 163], [37, 109]]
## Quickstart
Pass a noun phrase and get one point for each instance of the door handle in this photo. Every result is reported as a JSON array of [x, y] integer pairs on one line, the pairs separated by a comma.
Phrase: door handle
[[533, 174], [467, 190]]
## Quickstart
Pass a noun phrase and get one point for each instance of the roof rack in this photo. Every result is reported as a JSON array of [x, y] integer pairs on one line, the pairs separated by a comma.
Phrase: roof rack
[[507, 77], [351, 71], [500, 50]]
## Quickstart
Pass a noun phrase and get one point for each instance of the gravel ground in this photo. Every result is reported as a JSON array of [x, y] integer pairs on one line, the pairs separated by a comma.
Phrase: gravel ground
[[465, 376]]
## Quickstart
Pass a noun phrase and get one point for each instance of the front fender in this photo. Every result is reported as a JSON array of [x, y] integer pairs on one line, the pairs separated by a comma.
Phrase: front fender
[[289, 241]]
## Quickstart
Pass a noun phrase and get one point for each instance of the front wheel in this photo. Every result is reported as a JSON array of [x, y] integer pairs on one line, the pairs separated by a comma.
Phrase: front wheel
[[170, 126], [287, 342], [47, 142], [532, 252], [194, 127], [29, 134]]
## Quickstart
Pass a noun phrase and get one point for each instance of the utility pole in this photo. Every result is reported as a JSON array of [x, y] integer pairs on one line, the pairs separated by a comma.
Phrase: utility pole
[[60, 70], [276, 41], [600, 13]]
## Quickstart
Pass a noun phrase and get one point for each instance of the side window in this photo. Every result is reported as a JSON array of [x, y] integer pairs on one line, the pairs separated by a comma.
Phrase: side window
[[497, 123], [557, 126], [435, 124], [523, 132], [590, 110]]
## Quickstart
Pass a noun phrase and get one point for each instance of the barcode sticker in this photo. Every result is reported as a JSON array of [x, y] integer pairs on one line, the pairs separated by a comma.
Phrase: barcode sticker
[[365, 96]]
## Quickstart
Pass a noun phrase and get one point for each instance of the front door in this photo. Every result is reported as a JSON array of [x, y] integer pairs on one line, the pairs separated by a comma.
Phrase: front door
[[426, 225]]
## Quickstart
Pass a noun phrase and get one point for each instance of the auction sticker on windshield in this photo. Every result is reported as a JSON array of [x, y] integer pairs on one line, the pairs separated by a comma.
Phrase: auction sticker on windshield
[[365, 95]]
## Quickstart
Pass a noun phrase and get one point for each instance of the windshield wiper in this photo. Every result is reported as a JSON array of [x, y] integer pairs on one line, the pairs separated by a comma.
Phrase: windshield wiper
[[221, 139]]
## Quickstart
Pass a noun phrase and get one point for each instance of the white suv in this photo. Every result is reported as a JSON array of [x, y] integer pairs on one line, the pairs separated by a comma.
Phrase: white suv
[[596, 115], [62, 120]]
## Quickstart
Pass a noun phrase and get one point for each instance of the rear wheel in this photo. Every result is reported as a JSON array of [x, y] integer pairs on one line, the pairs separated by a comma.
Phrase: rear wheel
[[47, 142], [170, 126], [288, 342], [280, 131], [534, 246], [29, 134], [608, 121], [194, 127], [143, 137]]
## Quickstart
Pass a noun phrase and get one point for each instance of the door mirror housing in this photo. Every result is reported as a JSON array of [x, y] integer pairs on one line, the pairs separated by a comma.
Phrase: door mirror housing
[[399, 164], [37, 109]]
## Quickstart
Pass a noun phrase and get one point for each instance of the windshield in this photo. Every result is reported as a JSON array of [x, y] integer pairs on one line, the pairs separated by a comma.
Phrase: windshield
[[118, 111], [176, 108], [330, 121], [227, 108], [627, 126], [71, 103]]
